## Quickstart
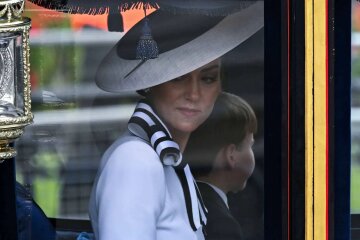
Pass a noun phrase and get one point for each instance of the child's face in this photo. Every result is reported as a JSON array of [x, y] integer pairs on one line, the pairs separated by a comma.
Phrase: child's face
[[245, 160]]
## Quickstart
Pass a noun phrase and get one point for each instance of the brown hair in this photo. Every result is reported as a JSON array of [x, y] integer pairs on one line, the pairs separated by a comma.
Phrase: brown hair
[[230, 121]]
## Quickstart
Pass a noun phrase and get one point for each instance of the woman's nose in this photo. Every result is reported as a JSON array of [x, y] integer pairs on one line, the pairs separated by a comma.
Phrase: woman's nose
[[193, 89]]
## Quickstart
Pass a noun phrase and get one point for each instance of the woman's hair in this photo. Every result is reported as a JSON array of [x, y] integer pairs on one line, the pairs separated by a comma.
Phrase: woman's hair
[[230, 121], [144, 92]]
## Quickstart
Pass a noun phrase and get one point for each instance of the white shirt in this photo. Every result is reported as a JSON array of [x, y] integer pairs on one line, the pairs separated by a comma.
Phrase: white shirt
[[218, 191], [136, 197]]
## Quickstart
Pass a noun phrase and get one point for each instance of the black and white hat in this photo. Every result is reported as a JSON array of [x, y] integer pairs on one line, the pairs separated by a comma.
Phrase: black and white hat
[[185, 42]]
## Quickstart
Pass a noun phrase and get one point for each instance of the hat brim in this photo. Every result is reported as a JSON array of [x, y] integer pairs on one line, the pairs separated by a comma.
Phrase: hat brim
[[113, 72], [205, 7]]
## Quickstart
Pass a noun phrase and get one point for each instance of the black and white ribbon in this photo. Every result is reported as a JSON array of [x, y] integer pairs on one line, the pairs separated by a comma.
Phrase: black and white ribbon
[[195, 207], [145, 124]]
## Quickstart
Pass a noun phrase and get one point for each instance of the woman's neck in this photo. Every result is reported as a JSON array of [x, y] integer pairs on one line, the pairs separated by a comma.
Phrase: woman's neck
[[181, 138]]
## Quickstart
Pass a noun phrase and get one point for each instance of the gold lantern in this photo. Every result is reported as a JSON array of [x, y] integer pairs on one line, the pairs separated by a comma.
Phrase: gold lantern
[[15, 102]]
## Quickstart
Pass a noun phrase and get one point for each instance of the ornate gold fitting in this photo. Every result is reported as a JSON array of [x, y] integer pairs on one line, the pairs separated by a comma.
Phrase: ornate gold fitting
[[15, 102]]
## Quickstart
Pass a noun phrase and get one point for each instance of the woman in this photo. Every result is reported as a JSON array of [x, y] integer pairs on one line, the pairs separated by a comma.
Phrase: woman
[[143, 190]]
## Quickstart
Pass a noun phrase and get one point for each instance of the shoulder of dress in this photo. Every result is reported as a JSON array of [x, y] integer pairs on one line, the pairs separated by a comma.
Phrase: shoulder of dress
[[132, 150], [134, 145]]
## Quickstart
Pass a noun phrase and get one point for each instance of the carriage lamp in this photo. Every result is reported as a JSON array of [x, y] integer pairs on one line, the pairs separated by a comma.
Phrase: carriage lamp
[[15, 103]]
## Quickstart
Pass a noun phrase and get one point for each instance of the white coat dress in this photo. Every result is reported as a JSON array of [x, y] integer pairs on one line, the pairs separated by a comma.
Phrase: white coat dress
[[136, 197]]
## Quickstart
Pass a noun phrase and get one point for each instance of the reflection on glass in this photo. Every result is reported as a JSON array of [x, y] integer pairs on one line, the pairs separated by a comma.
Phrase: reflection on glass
[[355, 109], [11, 85], [75, 121]]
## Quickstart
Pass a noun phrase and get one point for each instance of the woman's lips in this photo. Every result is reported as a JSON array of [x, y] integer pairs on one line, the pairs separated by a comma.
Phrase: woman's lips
[[188, 112]]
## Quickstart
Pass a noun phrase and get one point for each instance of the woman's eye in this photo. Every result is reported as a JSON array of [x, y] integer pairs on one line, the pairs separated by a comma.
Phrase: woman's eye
[[209, 79]]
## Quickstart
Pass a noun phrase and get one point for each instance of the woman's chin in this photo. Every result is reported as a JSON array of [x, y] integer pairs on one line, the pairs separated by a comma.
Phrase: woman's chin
[[188, 128], [184, 126]]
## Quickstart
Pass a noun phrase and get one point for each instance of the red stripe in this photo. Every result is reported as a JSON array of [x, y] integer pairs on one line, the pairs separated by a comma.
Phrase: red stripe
[[327, 117]]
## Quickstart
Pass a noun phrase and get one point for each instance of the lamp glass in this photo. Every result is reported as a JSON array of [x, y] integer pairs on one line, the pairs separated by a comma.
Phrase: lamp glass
[[11, 75]]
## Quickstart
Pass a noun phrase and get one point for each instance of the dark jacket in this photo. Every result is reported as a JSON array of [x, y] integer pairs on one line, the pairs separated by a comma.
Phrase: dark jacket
[[221, 225]]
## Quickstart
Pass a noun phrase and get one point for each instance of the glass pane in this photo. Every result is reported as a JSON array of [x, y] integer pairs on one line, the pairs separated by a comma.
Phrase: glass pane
[[10, 51], [75, 121], [355, 110]]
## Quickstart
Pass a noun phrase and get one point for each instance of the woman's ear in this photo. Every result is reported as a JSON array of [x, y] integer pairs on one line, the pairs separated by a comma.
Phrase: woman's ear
[[230, 150]]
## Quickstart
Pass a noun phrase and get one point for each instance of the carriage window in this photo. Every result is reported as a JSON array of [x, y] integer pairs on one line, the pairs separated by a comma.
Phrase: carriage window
[[75, 121], [355, 110]]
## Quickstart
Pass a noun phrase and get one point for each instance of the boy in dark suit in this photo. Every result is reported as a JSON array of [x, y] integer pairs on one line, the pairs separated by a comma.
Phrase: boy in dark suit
[[221, 158]]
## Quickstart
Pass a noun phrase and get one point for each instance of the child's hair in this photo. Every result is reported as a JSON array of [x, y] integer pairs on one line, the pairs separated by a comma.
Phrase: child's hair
[[230, 121]]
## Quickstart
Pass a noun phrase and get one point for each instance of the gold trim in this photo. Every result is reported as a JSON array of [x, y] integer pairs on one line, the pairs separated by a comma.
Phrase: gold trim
[[7, 2], [11, 9], [10, 134], [315, 118], [28, 116], [12, 127], [6, 152], [309, 171]]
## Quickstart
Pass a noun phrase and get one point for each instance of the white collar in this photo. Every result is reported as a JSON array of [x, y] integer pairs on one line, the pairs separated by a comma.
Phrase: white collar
[[219, 191]]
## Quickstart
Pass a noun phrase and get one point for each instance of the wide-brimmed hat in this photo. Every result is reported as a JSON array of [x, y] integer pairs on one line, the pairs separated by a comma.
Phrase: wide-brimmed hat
[[186, 42]]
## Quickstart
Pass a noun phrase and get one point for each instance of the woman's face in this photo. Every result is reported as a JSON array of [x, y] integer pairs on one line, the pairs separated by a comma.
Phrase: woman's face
[[185, 102]]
